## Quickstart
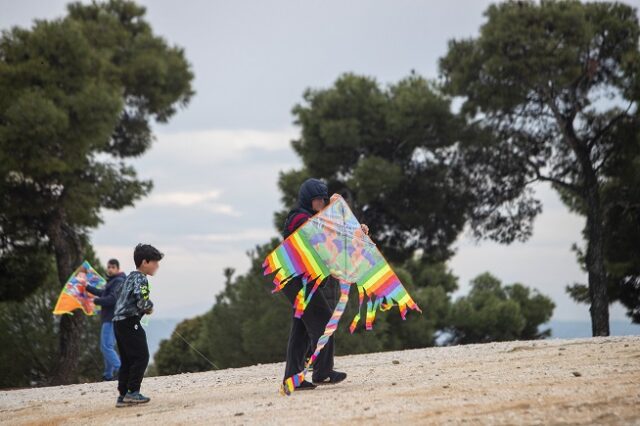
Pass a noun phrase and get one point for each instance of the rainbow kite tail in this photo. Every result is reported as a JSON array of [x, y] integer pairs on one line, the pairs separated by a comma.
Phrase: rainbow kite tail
[[289, 384], [356, 319], [302, 299], [372, 307]]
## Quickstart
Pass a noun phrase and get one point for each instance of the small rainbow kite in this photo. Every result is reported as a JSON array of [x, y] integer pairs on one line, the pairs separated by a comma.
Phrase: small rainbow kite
[[332, 243], [74, 296]]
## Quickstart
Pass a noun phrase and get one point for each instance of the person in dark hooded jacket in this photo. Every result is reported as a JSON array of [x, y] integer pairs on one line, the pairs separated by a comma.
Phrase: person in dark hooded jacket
[[313, 196], [106, 299]]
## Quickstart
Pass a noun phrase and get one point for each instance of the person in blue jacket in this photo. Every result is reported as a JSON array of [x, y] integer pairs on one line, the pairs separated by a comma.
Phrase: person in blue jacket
[[106, 299]]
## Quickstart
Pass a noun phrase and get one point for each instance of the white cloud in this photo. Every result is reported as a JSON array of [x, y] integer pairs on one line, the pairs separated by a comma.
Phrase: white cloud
[[203, 199], [216, 146], [183, 198], [254, 234], [224, 209]]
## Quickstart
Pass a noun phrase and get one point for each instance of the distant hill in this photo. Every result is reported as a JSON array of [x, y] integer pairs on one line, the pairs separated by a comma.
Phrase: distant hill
[[575, 329]]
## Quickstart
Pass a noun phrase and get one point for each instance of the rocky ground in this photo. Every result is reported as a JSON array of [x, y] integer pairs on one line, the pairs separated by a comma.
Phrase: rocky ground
[[582, 381]]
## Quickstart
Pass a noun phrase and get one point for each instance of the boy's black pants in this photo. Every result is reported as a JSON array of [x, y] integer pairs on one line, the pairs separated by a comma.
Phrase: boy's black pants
[[305, 333], [134, 353]]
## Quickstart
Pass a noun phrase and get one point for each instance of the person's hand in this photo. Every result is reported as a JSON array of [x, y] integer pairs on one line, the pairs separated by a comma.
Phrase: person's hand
[[149, 311], [365, 228]]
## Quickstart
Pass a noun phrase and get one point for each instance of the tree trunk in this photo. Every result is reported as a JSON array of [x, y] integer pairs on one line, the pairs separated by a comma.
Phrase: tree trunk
[[595, 265], [598, 295], [68, 251]]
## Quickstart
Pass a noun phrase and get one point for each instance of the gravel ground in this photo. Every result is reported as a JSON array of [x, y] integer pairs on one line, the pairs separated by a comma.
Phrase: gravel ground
[[581, 381]]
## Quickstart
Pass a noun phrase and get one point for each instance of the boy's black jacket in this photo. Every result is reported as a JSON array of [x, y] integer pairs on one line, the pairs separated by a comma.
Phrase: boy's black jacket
[[133, 300]]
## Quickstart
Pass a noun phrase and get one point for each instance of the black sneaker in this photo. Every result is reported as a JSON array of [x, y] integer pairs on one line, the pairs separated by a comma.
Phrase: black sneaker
[[333, 378], [135, 398], [306, 385], [120, 402]]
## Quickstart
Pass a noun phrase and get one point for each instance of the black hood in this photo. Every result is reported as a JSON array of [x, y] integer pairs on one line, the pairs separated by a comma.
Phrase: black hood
[[310, 189]]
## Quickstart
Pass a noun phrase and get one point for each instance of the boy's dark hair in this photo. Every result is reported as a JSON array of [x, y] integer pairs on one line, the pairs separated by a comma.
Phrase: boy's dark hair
[[146, 252], [114, 262]]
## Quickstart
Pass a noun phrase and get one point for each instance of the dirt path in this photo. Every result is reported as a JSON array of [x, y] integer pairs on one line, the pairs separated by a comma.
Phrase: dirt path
[[583, 381]]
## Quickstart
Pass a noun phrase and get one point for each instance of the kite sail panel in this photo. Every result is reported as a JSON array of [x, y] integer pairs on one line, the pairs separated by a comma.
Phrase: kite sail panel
[[333, 243], [74, 296]]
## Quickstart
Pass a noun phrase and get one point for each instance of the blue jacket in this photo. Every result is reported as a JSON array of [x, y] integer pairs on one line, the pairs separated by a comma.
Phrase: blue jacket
[[108, 295]]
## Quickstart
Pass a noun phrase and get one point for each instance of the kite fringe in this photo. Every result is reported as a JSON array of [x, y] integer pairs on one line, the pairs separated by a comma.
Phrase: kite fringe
[[302, 299]]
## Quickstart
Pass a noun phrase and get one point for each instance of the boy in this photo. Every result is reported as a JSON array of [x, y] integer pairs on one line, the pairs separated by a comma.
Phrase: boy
[[133, 303], [313, 196], [106, 299]]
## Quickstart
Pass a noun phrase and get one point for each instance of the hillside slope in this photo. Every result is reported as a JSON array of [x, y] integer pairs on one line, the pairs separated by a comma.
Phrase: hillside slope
[[582, 381]]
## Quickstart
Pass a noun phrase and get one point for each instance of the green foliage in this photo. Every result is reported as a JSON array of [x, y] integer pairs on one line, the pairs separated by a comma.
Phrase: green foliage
[[550, 89], [77, 95], [175, 356], [389, 152], [246, 325], [71, 91], [494, 313], [29, 341], [23, 277]]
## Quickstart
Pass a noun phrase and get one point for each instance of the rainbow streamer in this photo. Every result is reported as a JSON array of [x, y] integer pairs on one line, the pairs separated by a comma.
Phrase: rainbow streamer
[[333, 243], [289, 385]]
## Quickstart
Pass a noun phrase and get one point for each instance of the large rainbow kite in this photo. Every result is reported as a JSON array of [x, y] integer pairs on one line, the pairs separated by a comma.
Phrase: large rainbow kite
[[74, 296], [332, 243]]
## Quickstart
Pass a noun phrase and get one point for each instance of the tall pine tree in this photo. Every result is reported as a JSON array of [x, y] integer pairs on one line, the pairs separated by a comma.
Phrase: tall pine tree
[[77, 96]]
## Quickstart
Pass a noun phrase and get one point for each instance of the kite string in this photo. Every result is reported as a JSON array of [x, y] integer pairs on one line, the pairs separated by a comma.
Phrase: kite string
[[197, 351]]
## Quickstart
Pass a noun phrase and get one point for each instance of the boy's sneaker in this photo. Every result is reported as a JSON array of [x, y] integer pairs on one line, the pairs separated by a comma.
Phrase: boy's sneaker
[[120, 402], [306, 385], [333, 378], [135, 398]]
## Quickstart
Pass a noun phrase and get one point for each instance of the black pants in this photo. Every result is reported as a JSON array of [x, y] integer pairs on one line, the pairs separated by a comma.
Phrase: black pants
[[305, 333], [134, 353]]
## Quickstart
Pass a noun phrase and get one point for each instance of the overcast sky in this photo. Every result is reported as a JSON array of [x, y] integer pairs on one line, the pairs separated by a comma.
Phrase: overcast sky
[[215, 165]]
